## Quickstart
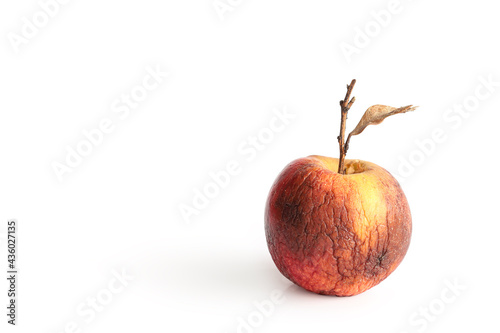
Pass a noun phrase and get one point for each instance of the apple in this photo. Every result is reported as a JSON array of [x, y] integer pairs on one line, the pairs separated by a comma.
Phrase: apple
[[336, 226]]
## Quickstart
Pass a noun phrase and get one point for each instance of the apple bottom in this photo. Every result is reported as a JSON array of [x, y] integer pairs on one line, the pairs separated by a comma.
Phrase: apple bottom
[[336, 234]]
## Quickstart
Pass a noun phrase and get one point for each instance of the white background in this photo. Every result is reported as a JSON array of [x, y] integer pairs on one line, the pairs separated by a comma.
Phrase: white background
[[119, 208]]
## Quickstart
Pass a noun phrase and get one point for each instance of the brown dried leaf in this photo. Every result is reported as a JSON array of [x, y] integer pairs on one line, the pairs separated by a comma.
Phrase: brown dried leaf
[[376, 114]]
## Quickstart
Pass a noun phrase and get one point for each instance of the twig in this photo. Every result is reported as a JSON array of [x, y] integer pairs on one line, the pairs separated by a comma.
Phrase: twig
[[345, 105]]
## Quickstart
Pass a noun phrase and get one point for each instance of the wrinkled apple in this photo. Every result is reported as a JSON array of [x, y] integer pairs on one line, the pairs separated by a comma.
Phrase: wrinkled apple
[[336, 226]]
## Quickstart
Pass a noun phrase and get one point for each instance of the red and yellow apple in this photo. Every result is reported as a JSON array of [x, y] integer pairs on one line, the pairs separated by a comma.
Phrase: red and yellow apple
[[336, 233]]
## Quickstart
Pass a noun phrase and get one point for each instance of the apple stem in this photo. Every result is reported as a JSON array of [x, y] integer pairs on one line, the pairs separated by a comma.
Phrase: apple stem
[[345, 105]]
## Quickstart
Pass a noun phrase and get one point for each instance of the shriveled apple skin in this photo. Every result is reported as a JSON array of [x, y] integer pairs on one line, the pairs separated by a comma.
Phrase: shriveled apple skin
[[336, 234]]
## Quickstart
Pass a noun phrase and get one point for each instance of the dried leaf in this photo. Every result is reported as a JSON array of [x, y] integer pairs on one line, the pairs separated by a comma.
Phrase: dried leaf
[[376, 114]]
